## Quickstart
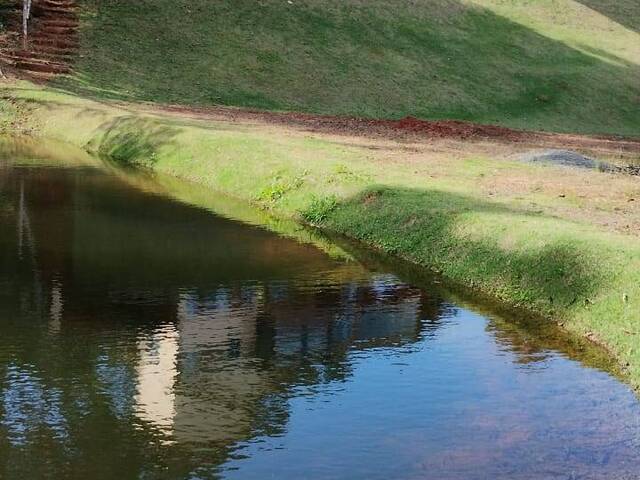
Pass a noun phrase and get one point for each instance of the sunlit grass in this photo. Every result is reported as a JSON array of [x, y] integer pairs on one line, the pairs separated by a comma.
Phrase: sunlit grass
[[495, 226], [550, 64]]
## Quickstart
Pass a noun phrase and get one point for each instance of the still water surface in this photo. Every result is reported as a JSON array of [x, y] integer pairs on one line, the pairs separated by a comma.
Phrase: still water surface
[[144, 338]]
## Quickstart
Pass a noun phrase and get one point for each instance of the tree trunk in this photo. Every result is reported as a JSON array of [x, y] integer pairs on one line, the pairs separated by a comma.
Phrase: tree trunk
[[26, 13]]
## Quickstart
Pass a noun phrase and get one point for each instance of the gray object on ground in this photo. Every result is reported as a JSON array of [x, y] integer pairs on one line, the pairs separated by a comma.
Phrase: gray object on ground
[[566, 158]]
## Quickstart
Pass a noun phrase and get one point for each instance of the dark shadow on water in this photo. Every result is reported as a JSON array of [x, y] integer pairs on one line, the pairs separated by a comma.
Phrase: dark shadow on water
[[239, 327], [529, 336], [421, 225], [122, 275]]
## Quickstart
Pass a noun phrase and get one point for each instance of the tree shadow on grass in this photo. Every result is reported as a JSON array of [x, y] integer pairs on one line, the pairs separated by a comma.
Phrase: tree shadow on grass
[[440, 59], [132, 141], [516, 256], [624, 12], [528, 336]]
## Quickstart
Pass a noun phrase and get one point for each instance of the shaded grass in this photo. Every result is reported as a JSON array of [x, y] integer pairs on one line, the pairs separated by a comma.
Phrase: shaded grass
[[624, 13], [558, 68], [131, 141], [13, 117], [514, 253], [572, 271]]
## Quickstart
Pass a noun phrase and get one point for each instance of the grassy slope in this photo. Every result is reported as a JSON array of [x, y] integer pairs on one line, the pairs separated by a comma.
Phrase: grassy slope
[[566, 65], [432, 214]]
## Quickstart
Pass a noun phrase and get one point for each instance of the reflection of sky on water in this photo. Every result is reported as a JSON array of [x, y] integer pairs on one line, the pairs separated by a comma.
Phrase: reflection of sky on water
[[28, 405], [117, 384], [457, 407], [141, 338]]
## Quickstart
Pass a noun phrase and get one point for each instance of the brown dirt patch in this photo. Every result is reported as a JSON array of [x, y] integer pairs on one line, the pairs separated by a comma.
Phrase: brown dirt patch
[[412, 129]]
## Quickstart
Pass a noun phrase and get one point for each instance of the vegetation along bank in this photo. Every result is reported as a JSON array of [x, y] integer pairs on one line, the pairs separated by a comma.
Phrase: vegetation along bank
[[453, 197], [560, 242]]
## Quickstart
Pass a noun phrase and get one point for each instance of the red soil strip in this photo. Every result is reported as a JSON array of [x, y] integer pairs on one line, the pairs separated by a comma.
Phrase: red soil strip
[[407, 125], [410, 128]]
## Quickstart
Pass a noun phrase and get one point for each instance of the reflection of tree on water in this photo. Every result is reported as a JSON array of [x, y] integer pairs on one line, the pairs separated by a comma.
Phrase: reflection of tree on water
[[271, 340], [163, 327], [141, 338]]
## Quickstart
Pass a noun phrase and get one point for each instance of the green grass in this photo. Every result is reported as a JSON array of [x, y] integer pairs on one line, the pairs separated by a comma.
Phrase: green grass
[[7, 115], [12, 116], [562, 65], [507, 248]]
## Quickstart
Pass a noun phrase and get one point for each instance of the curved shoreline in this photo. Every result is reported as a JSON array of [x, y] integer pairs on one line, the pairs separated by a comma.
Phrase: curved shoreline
[[571, 270]]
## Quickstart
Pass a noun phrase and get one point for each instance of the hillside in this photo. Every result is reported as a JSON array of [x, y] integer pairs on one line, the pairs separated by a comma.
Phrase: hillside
[[560, 65]]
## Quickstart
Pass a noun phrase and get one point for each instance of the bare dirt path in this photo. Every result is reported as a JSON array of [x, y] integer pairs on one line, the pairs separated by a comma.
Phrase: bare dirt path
[[610, 147]]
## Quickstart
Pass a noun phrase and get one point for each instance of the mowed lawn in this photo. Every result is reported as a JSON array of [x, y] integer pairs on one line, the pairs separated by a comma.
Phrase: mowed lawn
[[561, 65], [558, 242]]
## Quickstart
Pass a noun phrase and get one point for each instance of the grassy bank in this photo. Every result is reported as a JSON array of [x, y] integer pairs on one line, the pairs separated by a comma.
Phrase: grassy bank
[[563, 65], [498, 226]]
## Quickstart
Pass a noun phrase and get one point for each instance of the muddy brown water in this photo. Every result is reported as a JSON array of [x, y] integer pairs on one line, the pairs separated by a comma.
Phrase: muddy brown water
[[145, 338]]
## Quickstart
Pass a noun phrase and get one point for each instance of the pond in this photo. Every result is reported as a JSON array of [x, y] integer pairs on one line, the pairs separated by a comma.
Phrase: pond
[[149, 332]]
